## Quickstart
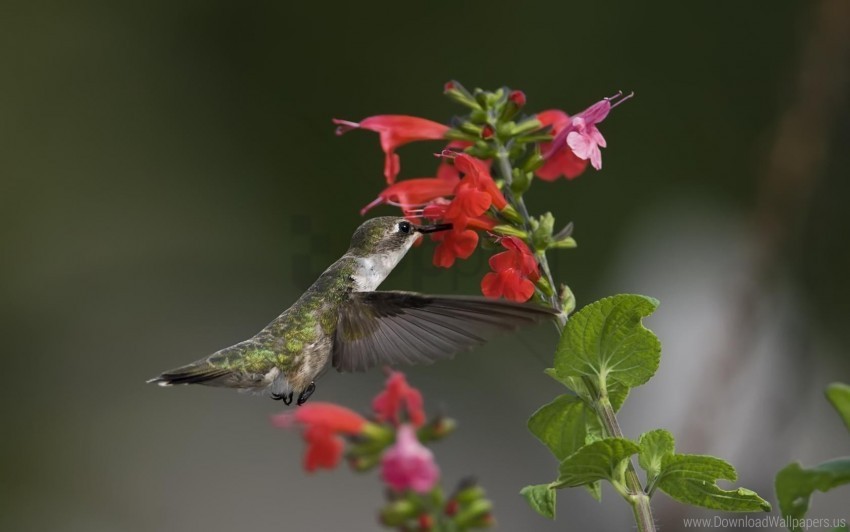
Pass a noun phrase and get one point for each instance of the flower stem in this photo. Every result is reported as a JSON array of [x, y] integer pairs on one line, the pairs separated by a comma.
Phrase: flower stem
[[635, 495], [507, 174], [506, 171]]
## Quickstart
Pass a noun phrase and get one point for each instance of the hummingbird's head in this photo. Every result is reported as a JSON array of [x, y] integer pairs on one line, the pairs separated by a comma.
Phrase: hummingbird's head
[[389, 235]]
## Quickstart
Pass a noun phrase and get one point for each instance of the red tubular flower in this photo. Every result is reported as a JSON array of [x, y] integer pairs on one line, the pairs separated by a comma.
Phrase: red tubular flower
[[469, 202], [323, 424], [399, 395], [412, 193], [509, 284], [453, 245], [415, 193], [478, 176], [395, 131], [562, 161], [474, 194], [513, 272], [518, 256]]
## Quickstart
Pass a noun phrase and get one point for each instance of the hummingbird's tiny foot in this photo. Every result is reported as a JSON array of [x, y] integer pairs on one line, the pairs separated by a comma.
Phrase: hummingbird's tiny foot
[[306, 393], [286, 398]]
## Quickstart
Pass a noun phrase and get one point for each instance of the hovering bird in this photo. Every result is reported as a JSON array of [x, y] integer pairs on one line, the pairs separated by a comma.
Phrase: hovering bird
[[341, 321]]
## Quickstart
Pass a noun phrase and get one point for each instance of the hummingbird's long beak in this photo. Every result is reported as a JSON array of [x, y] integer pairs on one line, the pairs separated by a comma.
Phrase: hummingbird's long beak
[[433, 228]]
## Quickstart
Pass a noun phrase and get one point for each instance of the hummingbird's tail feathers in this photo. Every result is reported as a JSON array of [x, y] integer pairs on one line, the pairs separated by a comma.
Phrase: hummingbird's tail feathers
[[191, 374]]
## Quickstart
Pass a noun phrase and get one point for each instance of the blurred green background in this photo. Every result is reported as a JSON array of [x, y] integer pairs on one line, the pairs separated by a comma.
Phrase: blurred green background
[[170, 181]]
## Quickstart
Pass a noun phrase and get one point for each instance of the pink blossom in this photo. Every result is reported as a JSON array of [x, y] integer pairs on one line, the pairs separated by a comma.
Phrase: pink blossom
[[582, 136], [408, 464]]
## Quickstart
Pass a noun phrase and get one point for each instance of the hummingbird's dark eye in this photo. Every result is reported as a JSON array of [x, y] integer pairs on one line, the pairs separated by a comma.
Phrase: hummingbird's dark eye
[[405, 227]]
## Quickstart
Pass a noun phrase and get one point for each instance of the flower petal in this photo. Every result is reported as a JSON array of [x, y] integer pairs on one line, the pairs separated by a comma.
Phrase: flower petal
[[395, 131]]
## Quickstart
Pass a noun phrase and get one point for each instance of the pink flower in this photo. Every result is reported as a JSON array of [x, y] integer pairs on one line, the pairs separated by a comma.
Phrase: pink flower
[[399, 395], [395, 131], [578, 135], [408, 464], [560, 162]]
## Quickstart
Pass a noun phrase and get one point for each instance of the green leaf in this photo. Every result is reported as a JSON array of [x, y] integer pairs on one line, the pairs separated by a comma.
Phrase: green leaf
[[606, 341], [795, 485], [839, 395], [541, 498], [595, 490], [654, 447], [600, 460], [691, 479], [562, 425]]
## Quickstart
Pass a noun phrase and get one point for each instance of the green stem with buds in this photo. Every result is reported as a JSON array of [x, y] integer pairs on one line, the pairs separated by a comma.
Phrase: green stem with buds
[[506, 172], [635, 495]]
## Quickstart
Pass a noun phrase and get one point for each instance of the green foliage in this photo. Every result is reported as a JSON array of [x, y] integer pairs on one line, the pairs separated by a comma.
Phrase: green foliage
[[562, 425], [541, 497], [601, 460], [691, 479], [604, 351], [605, 341], [838, 394], [655, 446], [795, 485]]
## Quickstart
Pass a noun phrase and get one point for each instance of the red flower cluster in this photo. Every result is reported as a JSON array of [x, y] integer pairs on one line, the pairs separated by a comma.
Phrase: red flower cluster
[[448, 197], [514, 272], [463, 191], [324, 424]]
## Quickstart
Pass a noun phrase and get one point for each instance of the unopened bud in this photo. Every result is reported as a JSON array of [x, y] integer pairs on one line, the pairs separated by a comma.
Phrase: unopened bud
[[426, 522], [511, 214], [473, 514], [568, 300], [469, 494], [509, 230], [458, 93], [451, 508], [517, 98], [436, 429], [487, 131], [398, 512], [362, 463]]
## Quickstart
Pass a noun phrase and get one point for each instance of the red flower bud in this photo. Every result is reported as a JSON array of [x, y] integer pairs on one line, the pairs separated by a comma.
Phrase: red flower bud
[[451, 508], [517, 98], [487, 131], [426, 522]]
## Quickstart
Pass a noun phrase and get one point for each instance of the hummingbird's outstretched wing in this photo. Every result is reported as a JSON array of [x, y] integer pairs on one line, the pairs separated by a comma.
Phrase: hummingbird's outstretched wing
[[378, 328]]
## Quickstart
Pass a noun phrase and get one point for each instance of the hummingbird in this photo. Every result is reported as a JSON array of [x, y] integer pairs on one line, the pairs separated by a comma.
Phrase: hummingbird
[[342, 321]]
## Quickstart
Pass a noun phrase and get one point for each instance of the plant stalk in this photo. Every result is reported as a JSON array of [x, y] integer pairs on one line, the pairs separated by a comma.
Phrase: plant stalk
[[636, 496], [506, 172]]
